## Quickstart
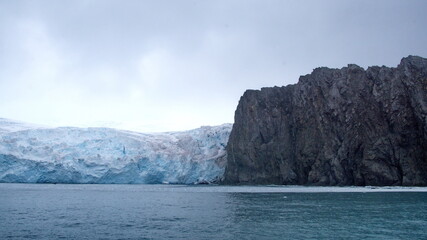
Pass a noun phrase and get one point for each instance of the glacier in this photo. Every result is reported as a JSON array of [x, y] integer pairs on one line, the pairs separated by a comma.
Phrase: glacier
[[39, 154]]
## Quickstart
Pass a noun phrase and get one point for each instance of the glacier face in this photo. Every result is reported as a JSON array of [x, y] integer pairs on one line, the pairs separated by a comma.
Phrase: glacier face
[[36, 154]]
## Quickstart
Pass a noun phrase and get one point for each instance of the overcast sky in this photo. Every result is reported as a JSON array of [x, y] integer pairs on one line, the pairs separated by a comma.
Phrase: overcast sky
[[176, 65]]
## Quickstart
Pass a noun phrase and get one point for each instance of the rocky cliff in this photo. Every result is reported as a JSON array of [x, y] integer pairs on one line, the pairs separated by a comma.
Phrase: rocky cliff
[[346, 126]]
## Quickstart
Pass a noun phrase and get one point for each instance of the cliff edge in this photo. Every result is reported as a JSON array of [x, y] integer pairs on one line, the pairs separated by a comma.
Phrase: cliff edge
[[346, 126]]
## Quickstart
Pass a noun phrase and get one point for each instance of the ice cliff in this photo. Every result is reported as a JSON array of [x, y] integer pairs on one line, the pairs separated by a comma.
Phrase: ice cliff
[[36, 154]]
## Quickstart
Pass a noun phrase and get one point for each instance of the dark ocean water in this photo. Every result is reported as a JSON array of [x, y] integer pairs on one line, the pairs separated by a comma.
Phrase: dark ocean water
[[37, 211]]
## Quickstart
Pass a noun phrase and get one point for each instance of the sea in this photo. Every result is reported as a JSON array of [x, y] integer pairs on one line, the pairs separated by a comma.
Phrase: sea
[[73, 211]]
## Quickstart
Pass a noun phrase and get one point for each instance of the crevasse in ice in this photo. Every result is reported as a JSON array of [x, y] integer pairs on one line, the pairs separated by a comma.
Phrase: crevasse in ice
[[36, 154]]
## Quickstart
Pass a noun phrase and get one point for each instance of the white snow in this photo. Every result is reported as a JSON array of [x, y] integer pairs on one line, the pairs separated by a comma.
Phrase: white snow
[[30, 153], [7, 125]]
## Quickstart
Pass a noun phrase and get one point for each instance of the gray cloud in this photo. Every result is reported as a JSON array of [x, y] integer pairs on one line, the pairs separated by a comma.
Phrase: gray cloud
[[171, 65]]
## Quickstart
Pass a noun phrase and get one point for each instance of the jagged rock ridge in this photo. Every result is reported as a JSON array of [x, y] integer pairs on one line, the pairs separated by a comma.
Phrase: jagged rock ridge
[[346, 126]]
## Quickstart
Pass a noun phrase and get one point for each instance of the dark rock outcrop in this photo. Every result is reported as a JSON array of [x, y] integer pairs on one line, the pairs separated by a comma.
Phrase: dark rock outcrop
[[346, 126]]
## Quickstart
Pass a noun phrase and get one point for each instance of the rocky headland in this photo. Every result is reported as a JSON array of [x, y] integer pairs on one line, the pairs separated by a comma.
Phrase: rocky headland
[[346, 126]]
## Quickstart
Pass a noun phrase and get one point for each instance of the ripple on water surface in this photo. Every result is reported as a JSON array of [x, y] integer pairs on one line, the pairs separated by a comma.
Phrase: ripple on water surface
[[37, 211]]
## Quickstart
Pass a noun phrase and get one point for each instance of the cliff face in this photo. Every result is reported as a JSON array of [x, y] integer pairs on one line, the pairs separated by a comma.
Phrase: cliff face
[[346, 126], [34, 154]]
